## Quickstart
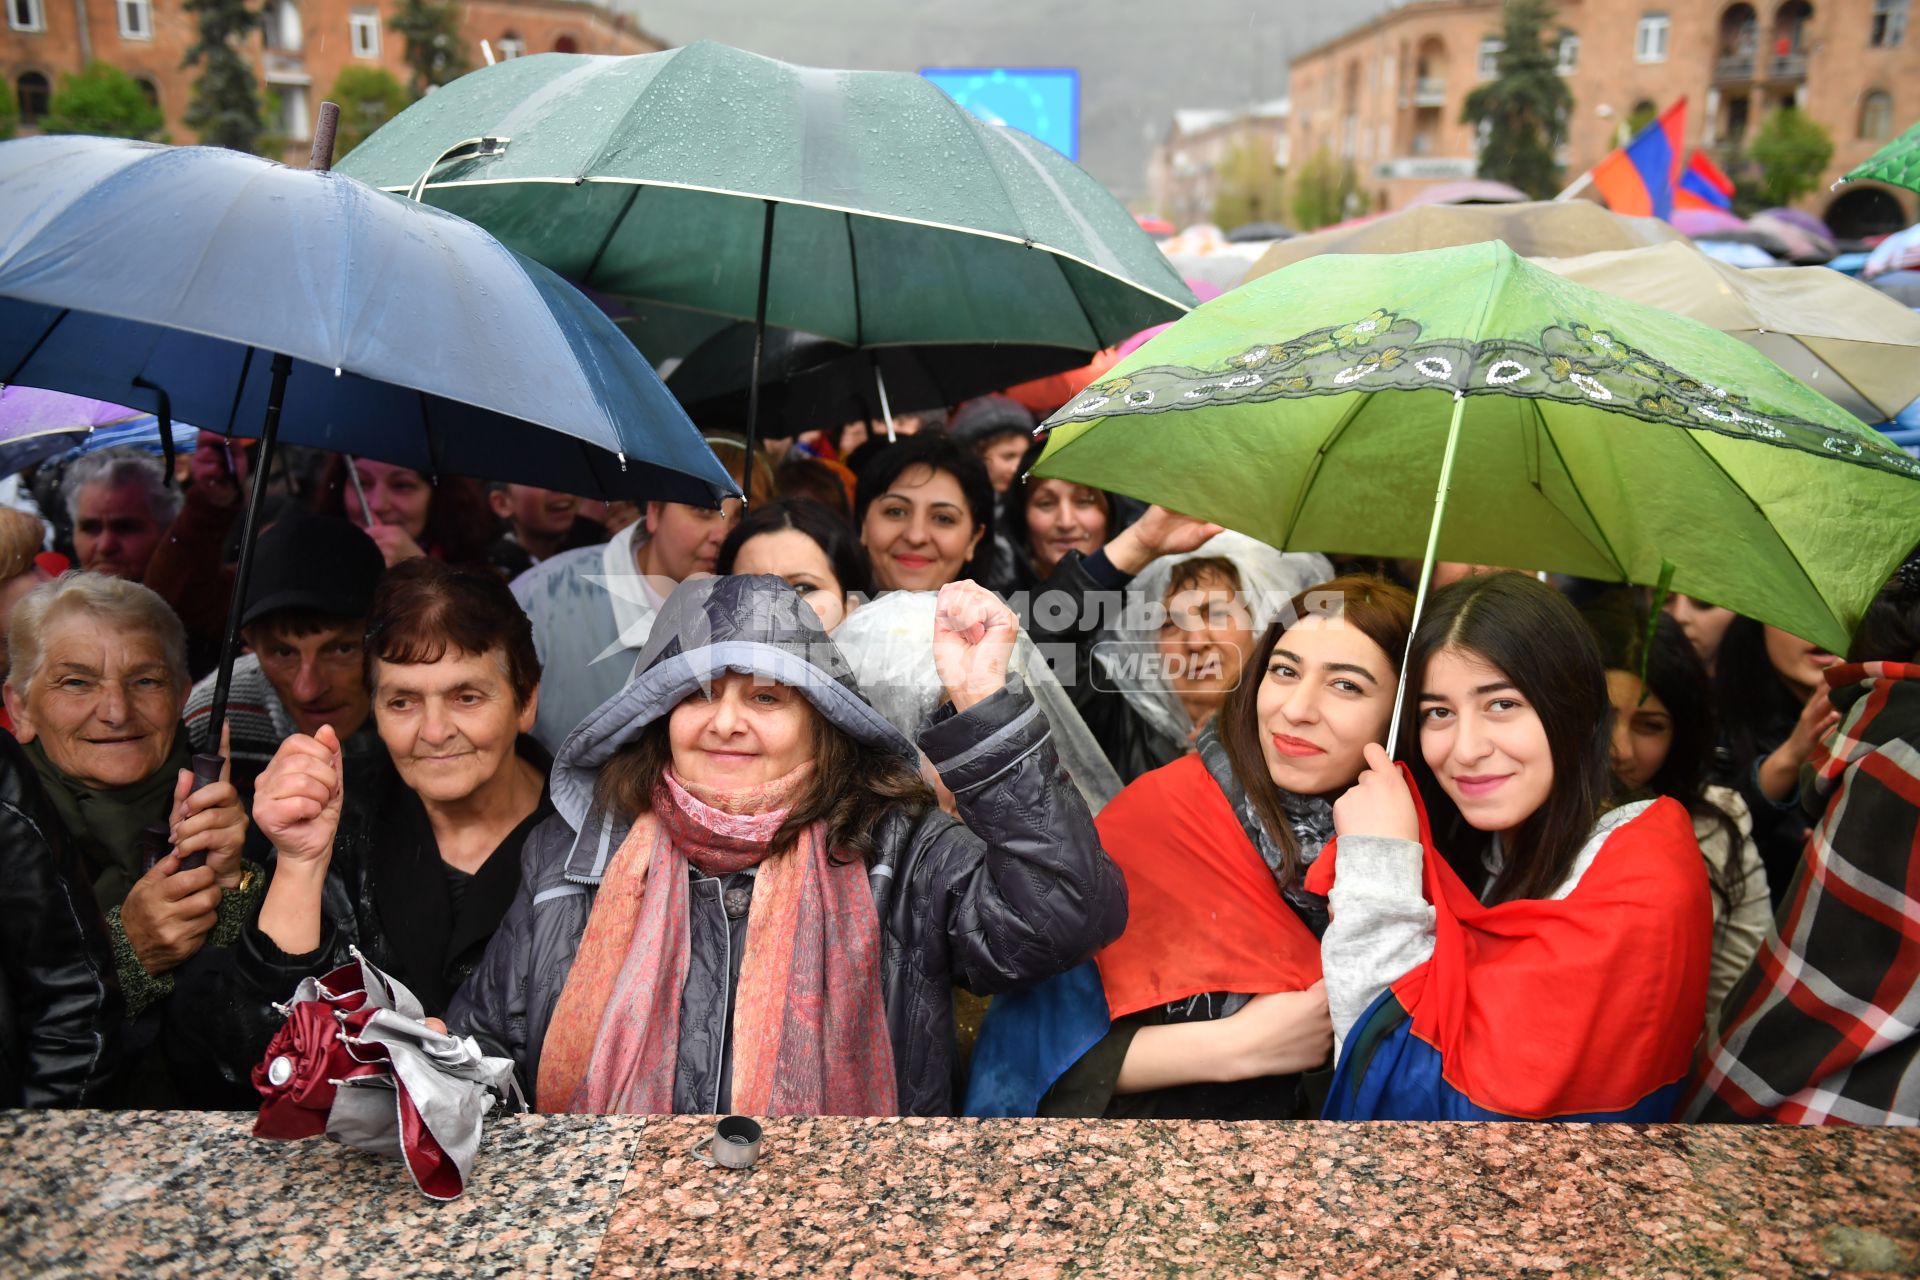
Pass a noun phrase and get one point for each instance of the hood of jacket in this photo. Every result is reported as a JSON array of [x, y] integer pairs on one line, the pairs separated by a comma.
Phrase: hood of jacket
[[753, 624]]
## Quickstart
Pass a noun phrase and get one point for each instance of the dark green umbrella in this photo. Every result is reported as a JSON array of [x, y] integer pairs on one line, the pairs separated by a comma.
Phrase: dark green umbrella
[[862, 206], [1897, 163]]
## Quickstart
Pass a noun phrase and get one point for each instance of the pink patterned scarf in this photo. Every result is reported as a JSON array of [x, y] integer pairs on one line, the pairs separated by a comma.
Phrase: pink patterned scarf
[[809, 1028]]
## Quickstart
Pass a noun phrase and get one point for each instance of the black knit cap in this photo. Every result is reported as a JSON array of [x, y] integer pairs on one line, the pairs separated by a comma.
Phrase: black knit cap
[[318, 563]]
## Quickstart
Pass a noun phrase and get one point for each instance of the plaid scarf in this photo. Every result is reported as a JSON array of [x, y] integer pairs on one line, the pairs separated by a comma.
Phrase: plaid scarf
[[809, 1027], [1821, 1028]]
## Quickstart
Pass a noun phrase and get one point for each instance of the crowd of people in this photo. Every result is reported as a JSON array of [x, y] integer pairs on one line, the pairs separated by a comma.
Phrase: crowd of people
[[917, 785]]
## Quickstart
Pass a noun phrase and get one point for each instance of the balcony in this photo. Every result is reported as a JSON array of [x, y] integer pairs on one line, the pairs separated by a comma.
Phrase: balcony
[[1733, 68], [1430, 91], [285, 68], [1789, 66]]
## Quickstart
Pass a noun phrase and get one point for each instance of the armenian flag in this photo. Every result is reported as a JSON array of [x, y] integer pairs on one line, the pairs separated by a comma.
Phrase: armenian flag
[[1587, 1007], [1641, 177], [1703, 185]]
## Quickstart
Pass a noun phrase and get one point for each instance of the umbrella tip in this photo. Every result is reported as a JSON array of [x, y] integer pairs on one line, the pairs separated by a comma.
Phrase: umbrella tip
[[321, 158]]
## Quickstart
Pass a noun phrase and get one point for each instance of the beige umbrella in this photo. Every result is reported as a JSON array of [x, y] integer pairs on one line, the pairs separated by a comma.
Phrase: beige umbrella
[[1846, 340], [1535, 229]]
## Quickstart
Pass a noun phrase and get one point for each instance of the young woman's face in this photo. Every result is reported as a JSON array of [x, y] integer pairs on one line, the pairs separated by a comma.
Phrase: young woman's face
[[1483, 740], [920, 532], [1704, 625], [1063, 517], [397, 495], [741, 731], [1801, 663], [1204, 644], [1327, 692], [791, 554], [1642, 730]]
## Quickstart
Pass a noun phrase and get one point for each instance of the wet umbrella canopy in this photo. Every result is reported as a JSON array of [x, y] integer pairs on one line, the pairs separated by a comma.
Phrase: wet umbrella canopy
[[883, 212], [1897, 163], [130, 270], [1316, 407], [1537, 229], [255, 299]]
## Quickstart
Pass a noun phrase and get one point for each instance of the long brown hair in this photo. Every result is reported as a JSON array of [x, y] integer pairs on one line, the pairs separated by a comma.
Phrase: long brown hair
[[852, 788], [1528, 631], [1381, 611]]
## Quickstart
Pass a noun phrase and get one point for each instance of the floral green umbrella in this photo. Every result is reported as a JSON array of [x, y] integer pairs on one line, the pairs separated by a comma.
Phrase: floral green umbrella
[[1323, 407], [1897, 163]]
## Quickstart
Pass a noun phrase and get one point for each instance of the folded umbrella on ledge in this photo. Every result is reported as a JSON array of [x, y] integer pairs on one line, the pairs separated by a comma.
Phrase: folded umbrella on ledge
[[357, 1062]]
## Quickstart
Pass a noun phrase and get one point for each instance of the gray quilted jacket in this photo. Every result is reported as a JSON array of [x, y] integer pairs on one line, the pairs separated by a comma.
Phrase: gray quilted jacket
[[1020, 892]]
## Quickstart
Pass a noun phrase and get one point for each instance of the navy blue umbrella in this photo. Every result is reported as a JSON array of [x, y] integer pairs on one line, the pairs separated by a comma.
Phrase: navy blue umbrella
[[258, 300]]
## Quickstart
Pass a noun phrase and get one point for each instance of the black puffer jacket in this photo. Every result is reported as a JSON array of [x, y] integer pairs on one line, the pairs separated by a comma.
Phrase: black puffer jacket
[[1019, 893], [59, 1010]]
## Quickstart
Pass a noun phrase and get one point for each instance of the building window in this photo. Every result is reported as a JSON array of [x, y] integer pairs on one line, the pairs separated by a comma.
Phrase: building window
[[281, 25], [136, 19], [1876, 115], [1650, 38], [566, 44], [1569, 59], [365, 28], [32, 97], [1491, 48], [295, 124], [148, 90], [26, 15], [511, 46], [1889, 23]]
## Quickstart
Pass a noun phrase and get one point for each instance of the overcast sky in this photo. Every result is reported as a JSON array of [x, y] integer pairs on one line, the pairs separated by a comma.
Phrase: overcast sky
[[1139, 60]]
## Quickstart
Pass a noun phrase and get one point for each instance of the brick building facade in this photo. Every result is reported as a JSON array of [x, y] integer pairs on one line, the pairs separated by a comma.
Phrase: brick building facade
[[1185, 171], [1388, 95], [303, 46]]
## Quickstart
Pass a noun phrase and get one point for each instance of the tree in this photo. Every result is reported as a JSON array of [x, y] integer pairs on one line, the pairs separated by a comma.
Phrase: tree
[[1324, 191], [1522, 112], [1792, 150], [226, 102], [368, 98], [1252, 188], [9, 114], [432, 32], [102, 100]]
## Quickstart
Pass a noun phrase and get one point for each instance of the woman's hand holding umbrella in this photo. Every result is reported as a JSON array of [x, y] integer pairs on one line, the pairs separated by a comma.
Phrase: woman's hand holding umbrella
[[210, 820], [1379, 804], [973, 637], [1159, 532], [169, 912]]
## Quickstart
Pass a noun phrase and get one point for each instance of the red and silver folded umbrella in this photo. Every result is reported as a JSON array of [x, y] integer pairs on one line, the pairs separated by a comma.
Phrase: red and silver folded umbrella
[[357, 1062]]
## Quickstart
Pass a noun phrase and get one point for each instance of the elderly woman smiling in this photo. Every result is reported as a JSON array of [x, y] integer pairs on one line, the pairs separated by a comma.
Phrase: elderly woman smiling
[[748, 899], [95, 690]]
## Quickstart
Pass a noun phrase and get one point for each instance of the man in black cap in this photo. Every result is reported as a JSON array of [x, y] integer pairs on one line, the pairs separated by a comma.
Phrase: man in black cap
[[306, 613]]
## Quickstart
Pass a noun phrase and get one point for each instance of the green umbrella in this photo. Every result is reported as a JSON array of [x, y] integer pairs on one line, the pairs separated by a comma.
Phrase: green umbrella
[[1897, 163], [1321, 407], [862, 206]]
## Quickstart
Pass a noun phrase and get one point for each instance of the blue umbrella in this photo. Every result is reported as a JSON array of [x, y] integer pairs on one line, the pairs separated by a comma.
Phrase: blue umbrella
[[255, 299]]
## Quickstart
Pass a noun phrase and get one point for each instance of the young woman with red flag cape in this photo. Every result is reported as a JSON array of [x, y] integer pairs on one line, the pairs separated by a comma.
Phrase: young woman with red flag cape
[[1552, 963], [1209, 1005]]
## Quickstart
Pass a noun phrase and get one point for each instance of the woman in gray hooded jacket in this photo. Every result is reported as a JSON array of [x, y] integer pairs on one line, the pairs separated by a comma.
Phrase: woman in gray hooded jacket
[[747, 900]]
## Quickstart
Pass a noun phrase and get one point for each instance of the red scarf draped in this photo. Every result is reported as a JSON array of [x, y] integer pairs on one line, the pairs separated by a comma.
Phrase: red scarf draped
[[1203, 912], [809, 1026]]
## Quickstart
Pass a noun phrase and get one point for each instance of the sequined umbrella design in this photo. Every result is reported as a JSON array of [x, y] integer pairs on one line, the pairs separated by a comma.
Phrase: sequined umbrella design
[[1464, 403]]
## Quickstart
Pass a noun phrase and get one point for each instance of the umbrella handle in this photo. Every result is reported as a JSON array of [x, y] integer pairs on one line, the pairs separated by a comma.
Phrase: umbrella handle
[[166, 424], [1426, 566]]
